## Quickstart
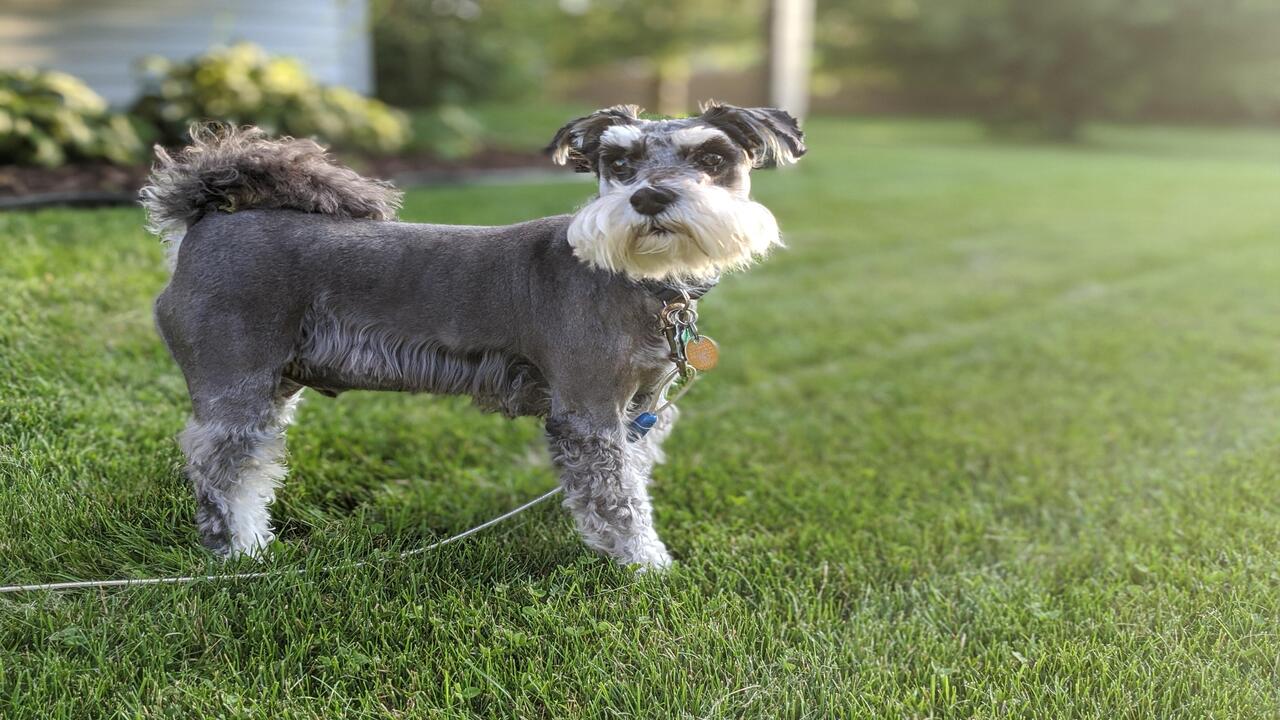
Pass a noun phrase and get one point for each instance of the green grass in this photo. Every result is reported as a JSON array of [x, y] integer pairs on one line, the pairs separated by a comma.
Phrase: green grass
[[995, 437], [505, 126]]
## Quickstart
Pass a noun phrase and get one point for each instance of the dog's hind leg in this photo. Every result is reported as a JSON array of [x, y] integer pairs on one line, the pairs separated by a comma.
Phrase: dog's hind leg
[[235, 460], [604, 480]]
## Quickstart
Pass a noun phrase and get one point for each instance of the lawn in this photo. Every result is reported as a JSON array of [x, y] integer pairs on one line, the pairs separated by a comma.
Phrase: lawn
[[996, 436]]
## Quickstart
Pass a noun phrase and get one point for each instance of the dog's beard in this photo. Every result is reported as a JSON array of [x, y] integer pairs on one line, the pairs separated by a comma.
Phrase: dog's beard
[[706, 230]]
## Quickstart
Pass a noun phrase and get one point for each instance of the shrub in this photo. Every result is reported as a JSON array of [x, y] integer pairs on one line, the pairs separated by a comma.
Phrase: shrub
[[432, 53], [48, 118], [242, 84], [447, 132]]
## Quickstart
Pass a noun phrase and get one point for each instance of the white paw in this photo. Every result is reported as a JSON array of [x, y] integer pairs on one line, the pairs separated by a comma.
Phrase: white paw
[[651, 568], [646, 555], [250, 545]]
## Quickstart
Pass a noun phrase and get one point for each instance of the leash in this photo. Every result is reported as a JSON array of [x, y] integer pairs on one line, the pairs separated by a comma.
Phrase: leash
[[230, 577]]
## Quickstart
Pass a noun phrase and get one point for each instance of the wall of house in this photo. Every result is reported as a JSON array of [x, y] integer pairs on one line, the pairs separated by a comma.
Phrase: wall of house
[[100, 41]]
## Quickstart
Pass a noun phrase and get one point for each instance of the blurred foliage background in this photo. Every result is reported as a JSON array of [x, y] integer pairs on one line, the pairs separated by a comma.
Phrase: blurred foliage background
[[1049, 67], [1026, 68], [434, 52], [49, 118]]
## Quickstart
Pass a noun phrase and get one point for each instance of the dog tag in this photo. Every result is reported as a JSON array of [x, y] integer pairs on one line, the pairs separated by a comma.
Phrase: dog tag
[[640, 425], [702, 353]]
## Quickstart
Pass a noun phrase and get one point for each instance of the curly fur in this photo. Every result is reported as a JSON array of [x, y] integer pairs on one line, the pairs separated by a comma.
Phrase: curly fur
[[234, 471], [228, 168], [604, 488]]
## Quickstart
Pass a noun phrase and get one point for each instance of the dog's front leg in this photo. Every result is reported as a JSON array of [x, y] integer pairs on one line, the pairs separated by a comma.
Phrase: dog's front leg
[[604, 483]]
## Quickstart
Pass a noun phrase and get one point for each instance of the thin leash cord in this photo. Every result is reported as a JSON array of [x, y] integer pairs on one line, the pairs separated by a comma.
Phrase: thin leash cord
[[231, 577], [189, 579]]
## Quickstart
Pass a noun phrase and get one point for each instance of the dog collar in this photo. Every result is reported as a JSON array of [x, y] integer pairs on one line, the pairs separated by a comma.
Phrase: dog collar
[[691, 352], [673, 292]]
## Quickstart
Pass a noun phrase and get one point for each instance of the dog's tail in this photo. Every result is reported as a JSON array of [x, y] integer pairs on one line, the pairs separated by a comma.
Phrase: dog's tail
[[229, 168]]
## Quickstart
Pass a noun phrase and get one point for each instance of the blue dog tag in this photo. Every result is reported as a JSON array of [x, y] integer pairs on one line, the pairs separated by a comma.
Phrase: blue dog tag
[[640, 425]]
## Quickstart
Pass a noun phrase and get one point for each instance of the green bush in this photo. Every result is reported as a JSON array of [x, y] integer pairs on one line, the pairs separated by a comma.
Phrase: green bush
[[446, 132], [242, 84], [49, 118], [433, 53]]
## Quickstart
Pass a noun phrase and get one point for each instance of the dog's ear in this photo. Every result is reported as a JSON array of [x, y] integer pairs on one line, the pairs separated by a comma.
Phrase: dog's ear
[[579, 140], [772, 136]]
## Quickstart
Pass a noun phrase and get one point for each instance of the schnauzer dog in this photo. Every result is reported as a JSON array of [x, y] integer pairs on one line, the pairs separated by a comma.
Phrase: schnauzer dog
[[290, 271]]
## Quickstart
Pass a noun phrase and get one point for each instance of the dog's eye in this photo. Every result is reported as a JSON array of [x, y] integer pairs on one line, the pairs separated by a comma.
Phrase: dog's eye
[[620, 166], [711, 160]]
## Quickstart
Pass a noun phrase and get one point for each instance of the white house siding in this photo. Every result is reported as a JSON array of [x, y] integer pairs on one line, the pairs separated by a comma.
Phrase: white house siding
[[100, 41]]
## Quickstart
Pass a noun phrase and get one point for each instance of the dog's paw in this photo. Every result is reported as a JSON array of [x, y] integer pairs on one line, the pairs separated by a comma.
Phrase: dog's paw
[[252, 547], [652, 568], [646, 556]]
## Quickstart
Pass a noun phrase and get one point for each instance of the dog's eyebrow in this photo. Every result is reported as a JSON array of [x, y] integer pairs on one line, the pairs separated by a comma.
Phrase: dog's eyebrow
[[621, 136], [697, 135]]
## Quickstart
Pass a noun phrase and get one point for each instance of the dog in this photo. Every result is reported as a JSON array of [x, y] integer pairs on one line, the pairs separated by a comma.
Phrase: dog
[[290, 271]]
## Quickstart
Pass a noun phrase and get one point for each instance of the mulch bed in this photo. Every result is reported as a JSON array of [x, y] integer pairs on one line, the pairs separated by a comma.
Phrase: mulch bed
[[99, 183], [17, 181]]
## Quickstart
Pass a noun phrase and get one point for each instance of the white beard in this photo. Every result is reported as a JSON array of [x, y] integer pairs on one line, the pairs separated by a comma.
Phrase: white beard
[[708, 229]]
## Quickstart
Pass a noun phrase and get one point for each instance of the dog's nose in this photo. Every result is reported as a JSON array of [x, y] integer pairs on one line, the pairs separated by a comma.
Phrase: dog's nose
[[652, 200]]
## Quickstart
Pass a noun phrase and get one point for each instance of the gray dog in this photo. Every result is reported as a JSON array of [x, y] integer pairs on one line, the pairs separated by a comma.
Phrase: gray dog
[[289, 271]]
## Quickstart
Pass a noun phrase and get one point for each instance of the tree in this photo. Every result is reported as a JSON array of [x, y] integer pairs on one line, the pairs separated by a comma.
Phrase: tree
[[1051, 66], [666, 33]]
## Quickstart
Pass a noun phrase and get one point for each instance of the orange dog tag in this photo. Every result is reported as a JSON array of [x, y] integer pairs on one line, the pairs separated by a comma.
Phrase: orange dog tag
[[702, 353]]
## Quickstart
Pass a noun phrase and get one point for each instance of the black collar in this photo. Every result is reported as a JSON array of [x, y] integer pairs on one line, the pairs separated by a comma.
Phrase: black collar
[[669, 292]]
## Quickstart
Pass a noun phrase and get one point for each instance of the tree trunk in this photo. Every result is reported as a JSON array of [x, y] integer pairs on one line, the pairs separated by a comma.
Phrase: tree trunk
[[790, 24], [671, 85]]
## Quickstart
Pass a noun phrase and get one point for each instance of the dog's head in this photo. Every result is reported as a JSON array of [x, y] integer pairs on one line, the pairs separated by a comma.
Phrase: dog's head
[[674, 198]]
